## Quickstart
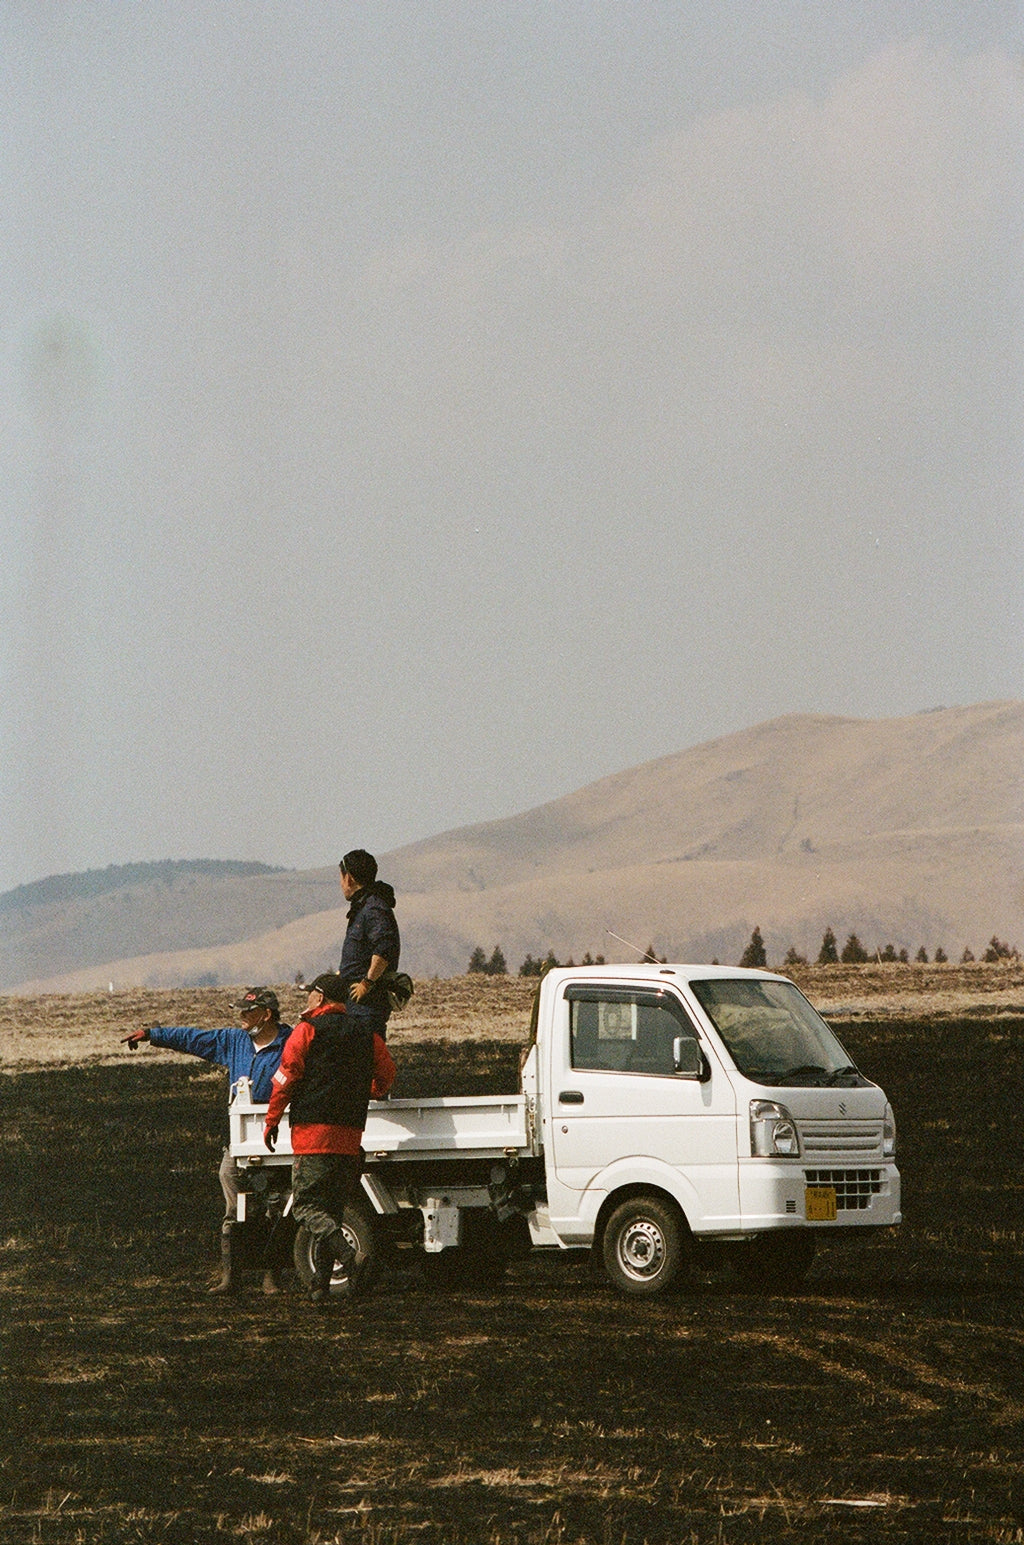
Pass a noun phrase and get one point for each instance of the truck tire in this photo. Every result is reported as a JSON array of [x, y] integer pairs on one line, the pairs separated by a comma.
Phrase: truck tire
[[359, 1229], [777, 1262], [643, 1245]]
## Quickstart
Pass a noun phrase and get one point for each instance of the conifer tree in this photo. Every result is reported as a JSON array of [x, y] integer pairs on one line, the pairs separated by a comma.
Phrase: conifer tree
[[997, 950], [754, 957], [828, 955], [477, 961]]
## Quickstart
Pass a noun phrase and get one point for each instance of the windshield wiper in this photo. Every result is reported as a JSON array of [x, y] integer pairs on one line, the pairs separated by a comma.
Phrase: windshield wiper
[[806, 1073], [849, 1071]]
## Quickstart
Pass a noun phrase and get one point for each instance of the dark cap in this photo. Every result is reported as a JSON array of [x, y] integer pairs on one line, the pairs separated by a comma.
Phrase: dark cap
[[330, 984], [258, 998], [362, 866]]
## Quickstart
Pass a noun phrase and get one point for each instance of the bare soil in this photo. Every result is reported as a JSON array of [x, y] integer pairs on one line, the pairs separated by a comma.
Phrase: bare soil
[[884, 1403]]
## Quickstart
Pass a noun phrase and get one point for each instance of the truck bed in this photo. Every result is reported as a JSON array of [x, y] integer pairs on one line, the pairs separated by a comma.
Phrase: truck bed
[[477, 1127]]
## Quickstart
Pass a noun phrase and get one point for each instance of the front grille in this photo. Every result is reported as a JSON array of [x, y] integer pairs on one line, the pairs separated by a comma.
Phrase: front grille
[[841, 1137], [854, 1188]]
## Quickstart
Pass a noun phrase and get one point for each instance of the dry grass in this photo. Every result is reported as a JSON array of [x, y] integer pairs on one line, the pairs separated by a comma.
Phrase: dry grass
[[893, 991], [56, 1030], [86, 1029]]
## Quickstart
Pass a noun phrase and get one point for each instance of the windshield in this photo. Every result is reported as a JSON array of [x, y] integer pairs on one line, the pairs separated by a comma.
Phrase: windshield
[[772, 1033]]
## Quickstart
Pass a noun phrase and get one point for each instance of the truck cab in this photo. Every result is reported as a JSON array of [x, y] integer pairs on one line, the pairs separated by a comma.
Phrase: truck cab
[[718, 1091]]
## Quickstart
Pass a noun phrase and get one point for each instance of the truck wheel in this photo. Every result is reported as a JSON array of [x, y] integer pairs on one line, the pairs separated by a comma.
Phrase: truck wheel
[[777, 1262], [643, 1245], [358, 1228]]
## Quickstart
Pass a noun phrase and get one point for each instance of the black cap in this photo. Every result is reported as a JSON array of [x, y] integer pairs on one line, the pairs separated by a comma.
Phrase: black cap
[[258, 998], [330, 984]]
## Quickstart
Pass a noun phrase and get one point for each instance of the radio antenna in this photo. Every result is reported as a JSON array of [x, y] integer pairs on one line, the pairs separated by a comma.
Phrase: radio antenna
[[644, 954]]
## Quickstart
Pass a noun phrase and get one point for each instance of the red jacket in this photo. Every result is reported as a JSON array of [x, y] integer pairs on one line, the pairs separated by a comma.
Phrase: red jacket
[[321, 1137]]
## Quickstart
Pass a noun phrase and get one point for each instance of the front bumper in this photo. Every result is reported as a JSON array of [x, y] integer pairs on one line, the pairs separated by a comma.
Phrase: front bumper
[[783, 1193]]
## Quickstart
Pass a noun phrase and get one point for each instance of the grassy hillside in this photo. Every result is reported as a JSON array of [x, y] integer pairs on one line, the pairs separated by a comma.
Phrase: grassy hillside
[[58, 889], [71, 922], [798, 787], [906, 831]]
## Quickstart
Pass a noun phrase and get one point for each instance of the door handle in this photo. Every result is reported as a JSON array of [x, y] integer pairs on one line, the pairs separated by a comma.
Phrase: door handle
[[571, 1097]]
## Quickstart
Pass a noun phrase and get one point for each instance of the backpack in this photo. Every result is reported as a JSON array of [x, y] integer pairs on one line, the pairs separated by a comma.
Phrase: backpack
[[399, 988]]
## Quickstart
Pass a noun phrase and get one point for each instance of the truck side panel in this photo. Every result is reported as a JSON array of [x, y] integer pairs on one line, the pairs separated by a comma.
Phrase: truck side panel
[[477, 1126]]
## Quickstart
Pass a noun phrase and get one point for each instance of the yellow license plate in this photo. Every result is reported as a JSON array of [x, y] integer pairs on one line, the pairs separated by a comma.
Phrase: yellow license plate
[[820, 1204]]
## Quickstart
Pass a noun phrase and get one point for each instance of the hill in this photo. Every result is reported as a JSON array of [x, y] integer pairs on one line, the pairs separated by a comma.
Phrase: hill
[[74, 922], [61, 888], [907, 831]]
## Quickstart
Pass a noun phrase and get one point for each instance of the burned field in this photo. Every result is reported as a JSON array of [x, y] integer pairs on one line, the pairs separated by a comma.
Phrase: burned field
[[884, 1402]]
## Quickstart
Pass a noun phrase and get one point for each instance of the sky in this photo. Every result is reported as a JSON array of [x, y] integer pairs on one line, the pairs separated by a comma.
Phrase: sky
[[410, 413]]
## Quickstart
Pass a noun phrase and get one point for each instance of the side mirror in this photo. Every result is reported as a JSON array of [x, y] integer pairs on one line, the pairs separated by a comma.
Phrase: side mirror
[[688, 1060]]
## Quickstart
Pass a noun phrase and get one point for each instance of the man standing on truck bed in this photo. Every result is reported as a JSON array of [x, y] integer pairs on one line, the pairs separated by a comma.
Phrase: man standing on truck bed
[[253, 1051], [331, 1064], [372, 943]]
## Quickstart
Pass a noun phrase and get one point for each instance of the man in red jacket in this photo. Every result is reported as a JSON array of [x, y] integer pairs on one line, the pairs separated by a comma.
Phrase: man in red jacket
[[331, 1065]]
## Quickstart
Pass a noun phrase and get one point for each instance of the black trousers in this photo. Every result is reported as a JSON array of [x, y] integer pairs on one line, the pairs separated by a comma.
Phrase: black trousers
[[323, 1184]]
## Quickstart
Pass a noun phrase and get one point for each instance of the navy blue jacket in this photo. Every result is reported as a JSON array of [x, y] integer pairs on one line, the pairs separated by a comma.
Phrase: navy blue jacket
[[372, 930]]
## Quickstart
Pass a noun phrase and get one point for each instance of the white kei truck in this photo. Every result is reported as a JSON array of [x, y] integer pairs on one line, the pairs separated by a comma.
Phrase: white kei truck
[[668, 1115]]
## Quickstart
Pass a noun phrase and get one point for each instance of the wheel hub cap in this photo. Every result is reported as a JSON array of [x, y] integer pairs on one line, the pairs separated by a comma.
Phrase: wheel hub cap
[[642, 1249]]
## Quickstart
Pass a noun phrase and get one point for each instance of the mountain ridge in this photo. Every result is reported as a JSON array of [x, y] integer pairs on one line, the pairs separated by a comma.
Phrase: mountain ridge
[[906, 830]]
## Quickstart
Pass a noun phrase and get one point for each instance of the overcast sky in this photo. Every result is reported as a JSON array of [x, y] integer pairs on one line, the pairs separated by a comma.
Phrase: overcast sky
[[412, 412]]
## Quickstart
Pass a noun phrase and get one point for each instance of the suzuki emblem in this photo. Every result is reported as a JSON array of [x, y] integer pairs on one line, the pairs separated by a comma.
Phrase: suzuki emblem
[[842, 1107]]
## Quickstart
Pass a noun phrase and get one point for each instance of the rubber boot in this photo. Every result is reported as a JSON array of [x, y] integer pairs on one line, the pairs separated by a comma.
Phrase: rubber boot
[[225, 1283], [346, 1258], [323, 1271]]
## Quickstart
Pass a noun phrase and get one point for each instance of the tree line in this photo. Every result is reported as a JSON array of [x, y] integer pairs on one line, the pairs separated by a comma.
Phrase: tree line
[[853, 953], [755, 956], [495, 964]]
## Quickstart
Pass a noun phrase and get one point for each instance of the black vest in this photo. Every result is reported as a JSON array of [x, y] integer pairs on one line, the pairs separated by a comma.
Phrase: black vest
[[335, 1088]]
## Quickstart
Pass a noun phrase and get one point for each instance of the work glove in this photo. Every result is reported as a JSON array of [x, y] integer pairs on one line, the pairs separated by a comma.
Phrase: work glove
[[135, 1039], [270, 1137]]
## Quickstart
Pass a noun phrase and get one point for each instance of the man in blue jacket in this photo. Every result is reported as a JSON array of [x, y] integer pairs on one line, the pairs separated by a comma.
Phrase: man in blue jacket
[[253, 1051], [372, 943]]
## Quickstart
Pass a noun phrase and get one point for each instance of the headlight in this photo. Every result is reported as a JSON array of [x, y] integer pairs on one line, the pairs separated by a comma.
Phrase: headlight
[[889, 1133], [772, 1131]]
